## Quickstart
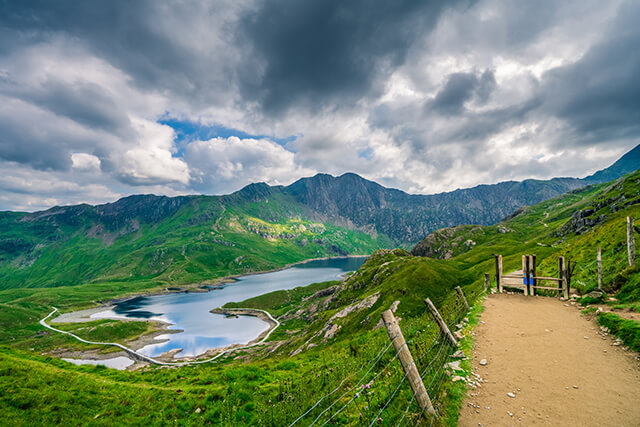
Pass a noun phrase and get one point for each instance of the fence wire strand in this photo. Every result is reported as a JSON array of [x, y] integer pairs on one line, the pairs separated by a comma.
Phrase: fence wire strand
[[429, 347]]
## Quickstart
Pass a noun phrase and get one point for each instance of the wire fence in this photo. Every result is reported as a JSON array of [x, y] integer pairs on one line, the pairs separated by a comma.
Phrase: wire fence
[[378, 392], [586, 274]]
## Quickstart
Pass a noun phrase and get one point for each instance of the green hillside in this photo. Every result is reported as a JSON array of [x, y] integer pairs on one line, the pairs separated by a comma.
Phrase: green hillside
[[195, 240]]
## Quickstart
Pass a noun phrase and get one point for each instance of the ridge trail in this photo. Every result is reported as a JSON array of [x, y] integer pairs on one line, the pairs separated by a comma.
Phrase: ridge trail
[[539, 348]]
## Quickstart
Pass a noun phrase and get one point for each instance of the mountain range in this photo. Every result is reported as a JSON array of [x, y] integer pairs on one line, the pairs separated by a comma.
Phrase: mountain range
[[194, 238]]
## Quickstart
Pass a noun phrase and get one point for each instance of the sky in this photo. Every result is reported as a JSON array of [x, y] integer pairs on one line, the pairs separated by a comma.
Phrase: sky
[[102, 99]]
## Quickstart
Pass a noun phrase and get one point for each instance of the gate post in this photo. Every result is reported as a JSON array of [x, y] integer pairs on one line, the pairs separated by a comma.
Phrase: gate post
[[534, 281], [564, 278], [527, 274], [631, 243], [487, 283], [599, 259], [499, 272], [560, 268]]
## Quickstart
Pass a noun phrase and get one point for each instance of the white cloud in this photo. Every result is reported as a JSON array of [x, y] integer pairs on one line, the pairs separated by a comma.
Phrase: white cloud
[[79, 105], [223, 165], [151, 159], [84, 161]]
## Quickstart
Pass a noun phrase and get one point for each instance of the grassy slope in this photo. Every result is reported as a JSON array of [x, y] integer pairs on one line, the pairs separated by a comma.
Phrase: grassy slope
[[201, 242], [271, 388], [267, 391]]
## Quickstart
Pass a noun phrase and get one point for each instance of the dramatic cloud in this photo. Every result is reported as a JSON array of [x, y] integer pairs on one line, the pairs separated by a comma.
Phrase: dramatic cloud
[[312, 54], [103, 99], [224, 165]]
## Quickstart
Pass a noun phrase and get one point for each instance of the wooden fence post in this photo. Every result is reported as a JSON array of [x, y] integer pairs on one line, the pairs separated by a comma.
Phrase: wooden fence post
[[462, 297], [408, 364], [526, 273], [631, 242], [499, 272], [534, 281], [599, 267], [443, 326], [487, 283], [560, 268], [563, 276]]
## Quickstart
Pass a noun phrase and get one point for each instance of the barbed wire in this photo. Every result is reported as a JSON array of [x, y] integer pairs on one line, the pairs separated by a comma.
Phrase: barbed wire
[[358, 383]]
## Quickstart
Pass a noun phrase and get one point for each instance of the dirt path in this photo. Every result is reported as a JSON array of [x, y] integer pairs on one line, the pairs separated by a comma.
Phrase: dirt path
[[536, 348]]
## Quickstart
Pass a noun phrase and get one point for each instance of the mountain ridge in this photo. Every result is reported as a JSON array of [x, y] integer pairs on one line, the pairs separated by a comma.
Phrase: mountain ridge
[[186, 239]]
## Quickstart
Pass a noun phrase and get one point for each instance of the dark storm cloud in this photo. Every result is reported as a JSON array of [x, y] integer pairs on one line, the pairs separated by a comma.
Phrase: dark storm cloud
[[599, 95], [158, 44], [322, 52], [460, 88], [38, 146], [83, 102]]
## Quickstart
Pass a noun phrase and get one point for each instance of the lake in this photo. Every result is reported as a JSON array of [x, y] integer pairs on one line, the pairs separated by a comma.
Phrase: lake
[[202, 330]]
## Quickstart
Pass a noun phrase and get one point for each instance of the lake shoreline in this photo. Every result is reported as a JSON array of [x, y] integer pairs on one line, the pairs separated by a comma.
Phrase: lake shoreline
[[164, 327], [189, 288]]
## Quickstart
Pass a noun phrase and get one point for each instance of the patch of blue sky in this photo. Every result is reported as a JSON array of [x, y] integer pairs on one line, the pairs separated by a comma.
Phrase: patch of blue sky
[[187, 131], [367, 153]]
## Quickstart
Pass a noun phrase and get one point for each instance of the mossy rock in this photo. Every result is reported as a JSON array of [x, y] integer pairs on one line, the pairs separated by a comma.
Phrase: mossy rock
[[593, 297]]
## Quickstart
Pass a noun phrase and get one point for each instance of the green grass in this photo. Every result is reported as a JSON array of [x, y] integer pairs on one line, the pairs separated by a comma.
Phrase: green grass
[[627, 330], [207, 238], [454, 393]]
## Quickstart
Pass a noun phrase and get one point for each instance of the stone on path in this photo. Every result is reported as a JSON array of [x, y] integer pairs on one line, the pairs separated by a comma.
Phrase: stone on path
[[483, 362], [511, 394]]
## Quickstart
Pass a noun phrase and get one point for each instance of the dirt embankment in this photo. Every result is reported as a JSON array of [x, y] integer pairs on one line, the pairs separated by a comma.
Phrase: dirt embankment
[[548, 365]]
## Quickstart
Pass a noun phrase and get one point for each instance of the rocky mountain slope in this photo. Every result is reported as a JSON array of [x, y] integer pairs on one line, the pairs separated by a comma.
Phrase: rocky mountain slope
[[352, 200]]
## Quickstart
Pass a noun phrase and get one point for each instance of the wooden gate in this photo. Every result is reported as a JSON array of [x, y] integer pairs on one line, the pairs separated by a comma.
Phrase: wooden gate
[[528, 280]]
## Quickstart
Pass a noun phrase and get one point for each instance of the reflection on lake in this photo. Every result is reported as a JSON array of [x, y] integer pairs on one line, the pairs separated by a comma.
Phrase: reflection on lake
[[119, 363], [202, 330]]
